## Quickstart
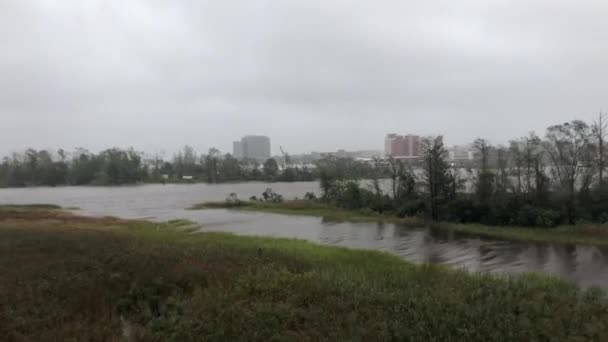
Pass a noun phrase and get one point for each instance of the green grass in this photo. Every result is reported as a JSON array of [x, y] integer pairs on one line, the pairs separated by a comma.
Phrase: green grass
[[585, 234], [310, 208], [588, 234], [71, 278]]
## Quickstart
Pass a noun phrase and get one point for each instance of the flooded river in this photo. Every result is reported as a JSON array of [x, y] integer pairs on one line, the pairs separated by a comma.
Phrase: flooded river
[[584, 265]]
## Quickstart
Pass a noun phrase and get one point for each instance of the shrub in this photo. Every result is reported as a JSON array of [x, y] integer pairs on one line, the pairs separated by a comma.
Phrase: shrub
[[310, 196], [271, 196], [530, 216], [603, 217], [547, 218], [463, 210], [350, 195], [232, 198], [411, 208]]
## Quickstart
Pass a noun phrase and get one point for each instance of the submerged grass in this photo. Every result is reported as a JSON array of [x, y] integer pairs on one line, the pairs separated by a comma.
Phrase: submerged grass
[[38, 206], [310, 208], [589, 234], [584, 234], [114, 280]]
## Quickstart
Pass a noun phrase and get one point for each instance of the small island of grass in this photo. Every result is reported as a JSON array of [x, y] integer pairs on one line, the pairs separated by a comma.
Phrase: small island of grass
[[588, 234]]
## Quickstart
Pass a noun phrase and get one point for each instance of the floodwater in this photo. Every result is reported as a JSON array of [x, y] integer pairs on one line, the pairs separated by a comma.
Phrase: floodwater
[[583, 265]]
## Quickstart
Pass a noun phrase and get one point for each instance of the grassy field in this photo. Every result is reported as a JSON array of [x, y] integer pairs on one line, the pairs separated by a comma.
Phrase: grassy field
[[589, 234], [71, 278]]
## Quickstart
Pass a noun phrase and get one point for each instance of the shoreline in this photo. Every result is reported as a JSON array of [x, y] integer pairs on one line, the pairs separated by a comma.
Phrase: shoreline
[[584, 234]]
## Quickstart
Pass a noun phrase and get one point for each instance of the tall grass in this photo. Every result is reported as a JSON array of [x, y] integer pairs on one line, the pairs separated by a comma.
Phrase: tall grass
[[89, 280], [40, 206], [590, 234]]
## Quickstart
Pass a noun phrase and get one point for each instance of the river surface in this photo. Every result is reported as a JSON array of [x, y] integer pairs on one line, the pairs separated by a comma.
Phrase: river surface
[[583, 265]]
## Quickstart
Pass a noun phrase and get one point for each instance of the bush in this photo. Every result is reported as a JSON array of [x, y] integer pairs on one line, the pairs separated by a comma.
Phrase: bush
[[526, 216], [530, 216], [411, 208], [349, 195], [603, 217], [547, 218], [463, 210], [310, 196], [232, 198], [271, 196]]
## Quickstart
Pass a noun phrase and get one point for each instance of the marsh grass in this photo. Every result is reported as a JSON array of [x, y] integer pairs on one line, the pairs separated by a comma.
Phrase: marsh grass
[[588, 234], [39, 206], [68, 278]]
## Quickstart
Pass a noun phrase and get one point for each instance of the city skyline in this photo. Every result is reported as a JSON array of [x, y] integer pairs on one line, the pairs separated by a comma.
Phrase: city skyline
[[279, 150]]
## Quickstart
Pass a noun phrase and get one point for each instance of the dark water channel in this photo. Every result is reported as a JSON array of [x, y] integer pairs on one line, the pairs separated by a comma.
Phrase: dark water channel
[[584, 265]]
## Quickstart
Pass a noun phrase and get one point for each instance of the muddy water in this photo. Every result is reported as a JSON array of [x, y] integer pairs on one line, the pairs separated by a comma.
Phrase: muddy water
[[584, 265]]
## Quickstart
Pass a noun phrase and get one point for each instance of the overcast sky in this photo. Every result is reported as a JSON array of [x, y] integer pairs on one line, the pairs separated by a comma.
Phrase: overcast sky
[[312, 74]]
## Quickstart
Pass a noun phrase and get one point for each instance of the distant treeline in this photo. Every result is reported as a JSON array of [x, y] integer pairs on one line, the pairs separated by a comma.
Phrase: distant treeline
[[557, 179], [126, 166]]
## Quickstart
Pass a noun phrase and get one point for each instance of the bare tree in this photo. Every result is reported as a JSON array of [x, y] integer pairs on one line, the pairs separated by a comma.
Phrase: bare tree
[[534, 166], [485, 177], [568, 147], [518, 162], [599, 131], [483, 150], [403, 180], [502, 176]]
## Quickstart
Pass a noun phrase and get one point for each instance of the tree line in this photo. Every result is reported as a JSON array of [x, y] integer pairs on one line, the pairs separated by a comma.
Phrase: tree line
[[126, 166], [534, 181]]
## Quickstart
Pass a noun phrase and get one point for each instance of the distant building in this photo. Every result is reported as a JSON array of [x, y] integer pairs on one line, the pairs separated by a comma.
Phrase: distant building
[[237, 150], [402, 146], [388, 144], [461, 153], [365, 154], [254, 147]]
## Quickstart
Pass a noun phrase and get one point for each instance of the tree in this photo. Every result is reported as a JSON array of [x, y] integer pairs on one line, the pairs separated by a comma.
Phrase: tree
[[437, 176], [403, 180], [502, 176], [289, 175], [83, 167], [119, 167], [518, 162], [271, 168], [330, 173], [230, 168], [485, 179], [599, 133], [189, 160], [211, 161], [568, 147]]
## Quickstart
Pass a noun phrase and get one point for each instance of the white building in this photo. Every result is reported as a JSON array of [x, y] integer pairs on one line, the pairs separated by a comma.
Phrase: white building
[[461, 153]]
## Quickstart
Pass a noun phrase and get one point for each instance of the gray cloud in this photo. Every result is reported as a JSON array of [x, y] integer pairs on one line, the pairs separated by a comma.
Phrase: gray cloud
[[313, 75]]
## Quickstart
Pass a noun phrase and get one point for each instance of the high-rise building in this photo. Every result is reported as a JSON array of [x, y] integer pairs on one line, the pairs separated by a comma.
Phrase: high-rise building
[[254, 147], [237, 150], [402, 146], [388, 144]]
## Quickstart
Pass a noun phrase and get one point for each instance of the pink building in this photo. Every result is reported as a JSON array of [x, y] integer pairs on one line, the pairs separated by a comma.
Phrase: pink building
[[402, 146]]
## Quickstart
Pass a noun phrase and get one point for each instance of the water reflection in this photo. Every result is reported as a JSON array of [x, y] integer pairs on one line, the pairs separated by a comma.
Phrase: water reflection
[[584, 265]]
